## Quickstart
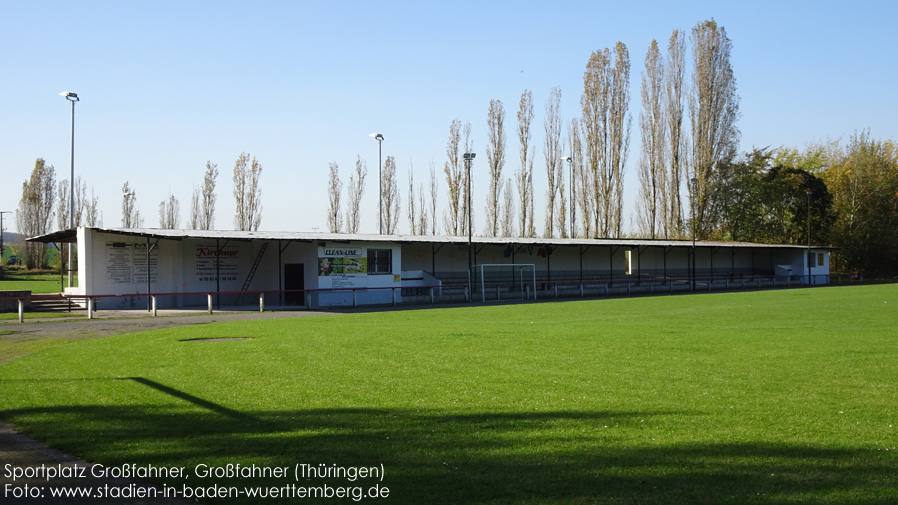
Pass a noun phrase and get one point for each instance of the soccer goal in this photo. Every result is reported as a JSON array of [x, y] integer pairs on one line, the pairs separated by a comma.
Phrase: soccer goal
[[512, 279]]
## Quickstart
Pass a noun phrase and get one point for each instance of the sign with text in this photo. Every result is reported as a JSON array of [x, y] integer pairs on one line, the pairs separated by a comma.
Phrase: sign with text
[[223, 262]]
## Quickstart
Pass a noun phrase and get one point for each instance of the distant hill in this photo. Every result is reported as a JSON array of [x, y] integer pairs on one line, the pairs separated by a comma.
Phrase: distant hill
[[10, 237]]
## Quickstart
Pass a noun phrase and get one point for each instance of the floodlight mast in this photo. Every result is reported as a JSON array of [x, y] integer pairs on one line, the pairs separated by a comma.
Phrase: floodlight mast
[[469, 158], [72, 97], [809, 192], [380, 190], [570, 161], [694, 182]]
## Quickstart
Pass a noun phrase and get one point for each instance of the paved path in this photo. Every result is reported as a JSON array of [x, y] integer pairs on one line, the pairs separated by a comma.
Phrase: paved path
[[20, 451]]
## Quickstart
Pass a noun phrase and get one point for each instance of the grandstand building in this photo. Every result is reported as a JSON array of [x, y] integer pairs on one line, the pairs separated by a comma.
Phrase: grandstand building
[[182, 268]]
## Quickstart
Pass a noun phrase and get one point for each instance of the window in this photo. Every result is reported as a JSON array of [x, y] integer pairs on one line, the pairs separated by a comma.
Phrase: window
[[380, 261], [819, 259]]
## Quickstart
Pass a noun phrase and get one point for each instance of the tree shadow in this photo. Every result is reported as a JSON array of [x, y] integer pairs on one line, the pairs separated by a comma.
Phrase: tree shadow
[[438, 456]]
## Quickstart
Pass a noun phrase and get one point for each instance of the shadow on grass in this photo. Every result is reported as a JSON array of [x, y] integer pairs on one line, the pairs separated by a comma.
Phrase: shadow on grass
[[444, 457]]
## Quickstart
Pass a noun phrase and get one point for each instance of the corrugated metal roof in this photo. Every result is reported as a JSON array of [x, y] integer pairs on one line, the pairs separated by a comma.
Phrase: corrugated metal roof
[[71, 236]]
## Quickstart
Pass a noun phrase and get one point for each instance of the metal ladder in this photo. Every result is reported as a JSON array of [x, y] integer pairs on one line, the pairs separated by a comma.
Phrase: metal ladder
[[252, 272]]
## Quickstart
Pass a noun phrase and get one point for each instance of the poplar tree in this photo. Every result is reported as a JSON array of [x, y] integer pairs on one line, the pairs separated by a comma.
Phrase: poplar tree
[[674, 111], [595, 102], [390, 194], [35, 213], [619, 132], [495, 157], [652, 182], [551, 150], [334, 190], [130, 214], [713, 110], [356, 190], [169, 213], [247, 193], [208, 197], [454, 180], [524, 176]]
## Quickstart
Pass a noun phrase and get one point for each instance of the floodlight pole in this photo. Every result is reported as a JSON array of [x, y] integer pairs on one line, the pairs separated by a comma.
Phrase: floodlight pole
[[570, 161], [380, 190], [808, 259], [469, 158], [694, 196], [72, 97]]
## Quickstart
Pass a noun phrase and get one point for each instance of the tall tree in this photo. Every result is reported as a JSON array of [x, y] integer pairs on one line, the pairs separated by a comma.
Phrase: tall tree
[[433, 199], [674, 111], [412, 209], [130, 213], [768, 202], [35, 213], [552, 152], [356, 190], [581, 185], [196, 209], [247, 193], [864, 183], [92, 216], [423, 217], [596, 103], [619, 131], [391, 200], [207, 216], [334, 191], [508, 219], [170, 213], [713, 109], [524, 176], [454, 180], [63, 209], [495, 157], [652, 183]]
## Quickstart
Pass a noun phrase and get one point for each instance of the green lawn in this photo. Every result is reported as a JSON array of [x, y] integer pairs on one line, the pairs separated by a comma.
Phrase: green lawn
[[760, 397], [36, 282]]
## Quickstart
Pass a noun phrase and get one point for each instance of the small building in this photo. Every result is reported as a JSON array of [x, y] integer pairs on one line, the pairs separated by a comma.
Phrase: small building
[[182, 267]]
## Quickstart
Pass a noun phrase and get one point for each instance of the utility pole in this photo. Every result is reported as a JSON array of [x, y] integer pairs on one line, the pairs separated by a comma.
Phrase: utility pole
[[1, 235]]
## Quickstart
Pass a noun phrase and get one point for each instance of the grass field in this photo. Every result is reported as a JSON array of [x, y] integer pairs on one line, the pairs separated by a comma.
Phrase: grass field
[[36, 282], [768, 397]]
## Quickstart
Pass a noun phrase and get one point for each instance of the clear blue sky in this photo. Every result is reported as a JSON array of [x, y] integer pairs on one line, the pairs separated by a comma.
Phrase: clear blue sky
[[165, 86]]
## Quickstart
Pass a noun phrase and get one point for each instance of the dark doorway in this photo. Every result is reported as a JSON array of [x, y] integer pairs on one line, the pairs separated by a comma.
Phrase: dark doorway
[[294, 278]]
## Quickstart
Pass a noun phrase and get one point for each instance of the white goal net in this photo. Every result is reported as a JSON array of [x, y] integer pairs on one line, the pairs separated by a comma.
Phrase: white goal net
[[504, 281]]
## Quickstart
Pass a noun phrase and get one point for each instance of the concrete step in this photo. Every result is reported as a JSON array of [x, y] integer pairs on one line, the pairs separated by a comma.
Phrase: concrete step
[[54, 305]]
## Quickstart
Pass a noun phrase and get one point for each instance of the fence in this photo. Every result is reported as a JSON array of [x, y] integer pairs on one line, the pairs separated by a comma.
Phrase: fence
[[448, 293]]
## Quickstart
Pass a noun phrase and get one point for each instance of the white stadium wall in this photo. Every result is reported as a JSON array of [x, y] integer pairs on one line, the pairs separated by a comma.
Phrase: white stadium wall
[[323, 270]]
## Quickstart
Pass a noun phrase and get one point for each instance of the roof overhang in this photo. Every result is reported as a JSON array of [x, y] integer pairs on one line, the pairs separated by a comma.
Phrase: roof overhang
[[65, 236]]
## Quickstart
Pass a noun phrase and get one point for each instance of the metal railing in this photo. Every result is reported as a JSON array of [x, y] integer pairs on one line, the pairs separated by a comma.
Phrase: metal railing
[[460, 292]]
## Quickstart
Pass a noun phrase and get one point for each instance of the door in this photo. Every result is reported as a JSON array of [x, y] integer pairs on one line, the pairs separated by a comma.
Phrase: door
[[294, 278]]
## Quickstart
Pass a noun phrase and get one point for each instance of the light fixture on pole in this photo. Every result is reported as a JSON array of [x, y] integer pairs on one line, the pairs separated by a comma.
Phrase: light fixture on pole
[[694, 182], [380, 190], [573, 203], [72, 97], [808, 192], [469, 157]]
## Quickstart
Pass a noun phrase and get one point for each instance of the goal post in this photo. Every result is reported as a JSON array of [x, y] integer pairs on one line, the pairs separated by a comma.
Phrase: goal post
[[511, 275]]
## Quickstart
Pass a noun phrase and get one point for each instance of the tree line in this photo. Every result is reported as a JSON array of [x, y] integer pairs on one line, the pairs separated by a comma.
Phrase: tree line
[[42, 199], [692, 181]]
